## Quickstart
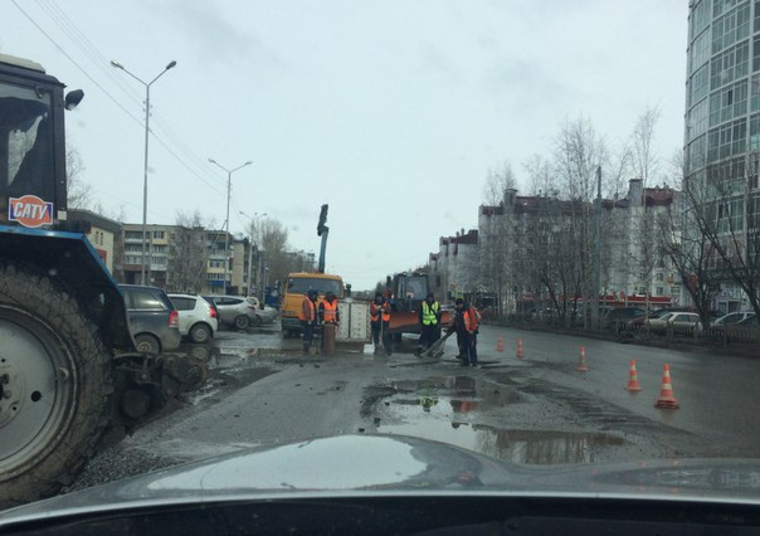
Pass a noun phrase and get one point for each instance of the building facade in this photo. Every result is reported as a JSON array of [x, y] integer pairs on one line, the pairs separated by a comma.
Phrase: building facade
[[537, 251], [186, 259], [105, 237], [453, 269], [722, 123]]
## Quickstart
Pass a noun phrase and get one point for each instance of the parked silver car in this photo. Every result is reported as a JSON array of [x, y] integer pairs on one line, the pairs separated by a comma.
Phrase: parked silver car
[[197, 317], [236, 311], [733, 318], [266, 313]]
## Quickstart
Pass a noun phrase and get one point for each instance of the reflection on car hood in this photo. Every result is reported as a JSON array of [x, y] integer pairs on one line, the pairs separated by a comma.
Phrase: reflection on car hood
[[360, 464]]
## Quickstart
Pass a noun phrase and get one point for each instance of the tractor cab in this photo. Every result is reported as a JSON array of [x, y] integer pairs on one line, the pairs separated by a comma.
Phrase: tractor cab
[[32, 147]]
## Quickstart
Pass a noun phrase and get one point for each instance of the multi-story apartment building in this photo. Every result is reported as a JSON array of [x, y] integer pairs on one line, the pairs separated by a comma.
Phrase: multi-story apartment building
[[722, 138], [186, 259], [453, 270], [541, 249]]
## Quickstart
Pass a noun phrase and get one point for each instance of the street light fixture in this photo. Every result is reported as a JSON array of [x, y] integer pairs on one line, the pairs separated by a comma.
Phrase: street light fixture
[[147, 85], [227, 221], [250, 247]]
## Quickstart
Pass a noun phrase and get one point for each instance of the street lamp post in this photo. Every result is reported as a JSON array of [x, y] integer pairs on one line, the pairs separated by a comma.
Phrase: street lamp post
[[227, 221], [250, 247], [145, 166]]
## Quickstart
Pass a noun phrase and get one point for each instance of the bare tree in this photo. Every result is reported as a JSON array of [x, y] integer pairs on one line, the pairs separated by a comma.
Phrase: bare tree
[[188, 257], [271, 237], [691, 256], [494, 269], [541, 177], [79, 193], [579, 150], [725, 208], [498, 180], [645, 160]]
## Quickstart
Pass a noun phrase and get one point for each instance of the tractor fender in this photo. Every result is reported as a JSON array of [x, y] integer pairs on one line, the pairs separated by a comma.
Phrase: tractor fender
[[69, 260]]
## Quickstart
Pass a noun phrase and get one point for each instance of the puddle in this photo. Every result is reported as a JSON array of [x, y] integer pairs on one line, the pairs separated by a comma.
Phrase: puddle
[[519, 446], [444, 408]]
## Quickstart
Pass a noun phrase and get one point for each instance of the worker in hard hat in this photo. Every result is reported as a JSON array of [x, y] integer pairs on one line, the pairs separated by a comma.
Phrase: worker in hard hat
[[380, 322], [465, 323], [328, 309], [308, 317], [429, 318]]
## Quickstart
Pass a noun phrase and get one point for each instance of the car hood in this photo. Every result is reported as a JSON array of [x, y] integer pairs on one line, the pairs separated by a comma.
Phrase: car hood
[[352, 465]]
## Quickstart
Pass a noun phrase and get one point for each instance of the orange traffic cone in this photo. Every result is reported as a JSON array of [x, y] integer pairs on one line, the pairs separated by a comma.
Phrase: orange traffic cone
[[519, 348], [582, 366], [500, 344], [633, 381], [666, 400]]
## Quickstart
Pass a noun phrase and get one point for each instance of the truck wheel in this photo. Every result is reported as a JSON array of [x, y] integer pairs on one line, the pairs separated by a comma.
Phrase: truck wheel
[[200, 333], [55, 387], [241, 322], [147, 344]]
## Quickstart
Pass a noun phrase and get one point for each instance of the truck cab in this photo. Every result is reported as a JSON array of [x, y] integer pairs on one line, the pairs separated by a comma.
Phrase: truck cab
[[296, 287]]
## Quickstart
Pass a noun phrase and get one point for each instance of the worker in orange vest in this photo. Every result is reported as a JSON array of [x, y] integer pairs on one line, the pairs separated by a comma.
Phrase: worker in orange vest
[[308, 317], [380, 322], [465, 322], [328, 313], [328, 309]]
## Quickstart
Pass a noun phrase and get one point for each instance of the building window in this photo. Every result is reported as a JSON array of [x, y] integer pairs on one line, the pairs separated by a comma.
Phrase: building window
[[729, 66], [698, 84], [727, 140], [659, 291], [730, 28], [158, 235], [700, 17], [132, 235], [698, 119], [660, 277], [722, 6], [754, 132], [728, 103], [696, 153], [699, 52]]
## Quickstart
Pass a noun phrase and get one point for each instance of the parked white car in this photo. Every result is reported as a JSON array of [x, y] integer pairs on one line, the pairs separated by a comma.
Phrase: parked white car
[[680, 322], [197, 317]]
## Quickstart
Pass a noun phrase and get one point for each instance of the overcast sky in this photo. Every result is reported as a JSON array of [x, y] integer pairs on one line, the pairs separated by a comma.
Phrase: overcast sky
[[392, 112]]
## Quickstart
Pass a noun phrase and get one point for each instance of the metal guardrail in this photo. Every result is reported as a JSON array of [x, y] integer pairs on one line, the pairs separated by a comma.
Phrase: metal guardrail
[[722, 335]]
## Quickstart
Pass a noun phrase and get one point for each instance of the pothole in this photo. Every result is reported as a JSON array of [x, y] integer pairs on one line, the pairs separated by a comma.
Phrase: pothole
[[449, 409]]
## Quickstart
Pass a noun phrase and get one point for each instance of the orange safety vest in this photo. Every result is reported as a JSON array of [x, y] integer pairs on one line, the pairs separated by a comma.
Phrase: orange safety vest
[[311, 311], [331, 311], [471, 319], [374, 312]]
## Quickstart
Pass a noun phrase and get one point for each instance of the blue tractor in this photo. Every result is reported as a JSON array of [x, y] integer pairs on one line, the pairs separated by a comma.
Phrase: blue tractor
[[69, 369]]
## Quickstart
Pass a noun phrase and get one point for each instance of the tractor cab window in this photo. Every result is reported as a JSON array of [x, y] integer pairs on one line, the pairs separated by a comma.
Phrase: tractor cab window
[[25, 142]]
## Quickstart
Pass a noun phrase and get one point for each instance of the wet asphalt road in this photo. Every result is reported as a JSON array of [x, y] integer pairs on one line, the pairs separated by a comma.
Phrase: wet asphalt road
[[537, 410]]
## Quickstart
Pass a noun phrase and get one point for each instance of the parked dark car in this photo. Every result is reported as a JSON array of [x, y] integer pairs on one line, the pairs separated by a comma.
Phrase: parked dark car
[[744, 331], [618, 318], [153, 320]]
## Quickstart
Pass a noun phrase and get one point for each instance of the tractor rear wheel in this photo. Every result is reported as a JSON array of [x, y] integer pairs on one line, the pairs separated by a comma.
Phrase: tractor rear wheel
[[56, 384]]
